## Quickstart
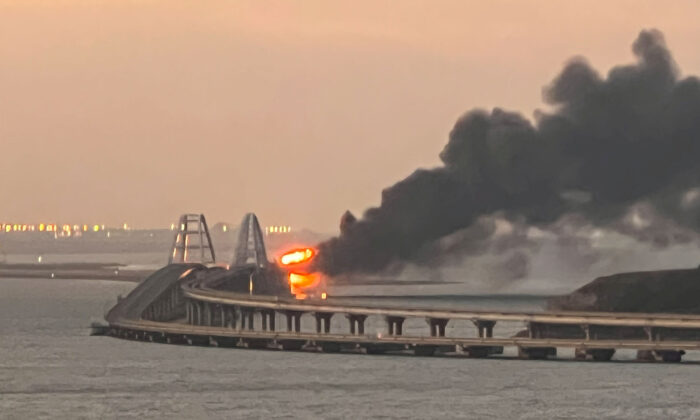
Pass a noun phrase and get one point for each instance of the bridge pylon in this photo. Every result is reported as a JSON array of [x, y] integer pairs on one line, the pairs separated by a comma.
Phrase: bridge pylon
[[192, 242], [250, 249]]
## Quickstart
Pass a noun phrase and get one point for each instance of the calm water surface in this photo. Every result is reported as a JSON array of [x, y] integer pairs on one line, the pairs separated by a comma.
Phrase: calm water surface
[[51, 368]]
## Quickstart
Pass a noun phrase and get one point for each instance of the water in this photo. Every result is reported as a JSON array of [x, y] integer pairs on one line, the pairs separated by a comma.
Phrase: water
[[141, 260], [51, 368]]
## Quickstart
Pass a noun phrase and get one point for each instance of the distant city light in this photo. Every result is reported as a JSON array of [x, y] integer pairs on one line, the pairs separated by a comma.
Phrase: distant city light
[[277, 229], [77, 229]]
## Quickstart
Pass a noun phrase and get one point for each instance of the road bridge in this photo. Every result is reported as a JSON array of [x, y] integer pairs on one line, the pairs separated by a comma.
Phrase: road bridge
[[215, 317], [194, 301]]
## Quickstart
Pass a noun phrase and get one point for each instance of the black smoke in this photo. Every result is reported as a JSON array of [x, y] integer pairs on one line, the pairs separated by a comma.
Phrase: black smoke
[[612, 145]]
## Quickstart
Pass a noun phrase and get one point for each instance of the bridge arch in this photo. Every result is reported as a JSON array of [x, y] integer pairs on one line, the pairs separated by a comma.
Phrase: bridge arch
[[192, 242], [250, 249]]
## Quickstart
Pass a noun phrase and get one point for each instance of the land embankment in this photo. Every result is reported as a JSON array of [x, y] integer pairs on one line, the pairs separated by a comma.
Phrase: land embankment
[[668, 291]]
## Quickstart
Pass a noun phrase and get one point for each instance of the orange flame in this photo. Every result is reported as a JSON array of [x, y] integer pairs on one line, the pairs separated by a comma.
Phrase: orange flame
[[297, 256], [299, 280], [302, 284]]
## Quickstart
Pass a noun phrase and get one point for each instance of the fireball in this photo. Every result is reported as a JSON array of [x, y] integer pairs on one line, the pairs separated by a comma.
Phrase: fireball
[[302, 283], [297, 256]]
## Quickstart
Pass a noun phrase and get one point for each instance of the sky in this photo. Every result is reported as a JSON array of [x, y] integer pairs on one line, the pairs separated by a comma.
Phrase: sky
[[134, 112]]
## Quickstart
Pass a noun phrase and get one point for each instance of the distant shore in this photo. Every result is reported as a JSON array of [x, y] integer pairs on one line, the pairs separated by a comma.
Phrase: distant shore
[[78, 271]]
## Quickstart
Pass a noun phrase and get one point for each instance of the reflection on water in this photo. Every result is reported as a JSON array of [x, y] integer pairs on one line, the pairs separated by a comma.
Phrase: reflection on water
[[51, 368]]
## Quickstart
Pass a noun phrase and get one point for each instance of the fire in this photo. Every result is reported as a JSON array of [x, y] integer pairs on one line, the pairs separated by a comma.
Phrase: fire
[[299, 280], [302, 283], [297, 256]]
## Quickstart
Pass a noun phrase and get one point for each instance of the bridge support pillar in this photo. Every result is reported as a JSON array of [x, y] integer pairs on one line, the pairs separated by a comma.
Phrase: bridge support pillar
[[247, 319], [225, 316], [323, 321], [437, 326], [654, 334], [587, 331], [357, 324], [293, 321], [222, 316], [198, 313], [485, 328], [232, 317], [209, 310], [536, 330], [268, 319], [395, 324], [214, 314]]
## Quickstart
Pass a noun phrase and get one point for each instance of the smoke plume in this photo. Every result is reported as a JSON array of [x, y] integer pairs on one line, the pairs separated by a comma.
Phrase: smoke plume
[[620, 152]]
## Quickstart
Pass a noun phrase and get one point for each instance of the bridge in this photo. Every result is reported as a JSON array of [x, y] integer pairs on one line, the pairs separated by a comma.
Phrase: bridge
[[193, 303]]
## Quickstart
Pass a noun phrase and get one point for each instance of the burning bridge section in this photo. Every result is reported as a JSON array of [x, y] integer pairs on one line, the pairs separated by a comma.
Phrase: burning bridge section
[[192, 263], [303, 280]]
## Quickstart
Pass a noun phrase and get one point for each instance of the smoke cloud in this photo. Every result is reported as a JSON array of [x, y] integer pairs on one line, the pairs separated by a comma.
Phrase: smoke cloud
[[620, 152]]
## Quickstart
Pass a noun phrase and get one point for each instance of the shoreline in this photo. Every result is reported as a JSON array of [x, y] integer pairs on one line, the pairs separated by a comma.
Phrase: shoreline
[[73, 271]]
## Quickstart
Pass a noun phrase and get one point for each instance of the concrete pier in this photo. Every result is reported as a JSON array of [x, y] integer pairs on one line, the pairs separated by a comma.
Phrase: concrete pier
[[437, 326], [395, 324], [323, 322], [293, 320], [357, 323]]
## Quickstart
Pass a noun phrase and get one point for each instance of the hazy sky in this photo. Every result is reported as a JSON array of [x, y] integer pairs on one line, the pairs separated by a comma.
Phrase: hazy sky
[[137, 111]]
